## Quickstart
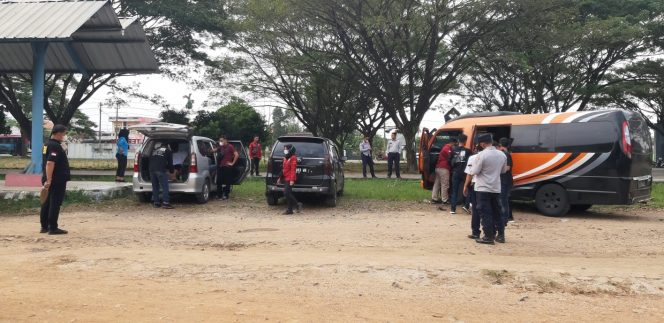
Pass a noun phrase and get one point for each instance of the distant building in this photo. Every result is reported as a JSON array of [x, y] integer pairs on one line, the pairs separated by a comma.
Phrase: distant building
[[124, 122]]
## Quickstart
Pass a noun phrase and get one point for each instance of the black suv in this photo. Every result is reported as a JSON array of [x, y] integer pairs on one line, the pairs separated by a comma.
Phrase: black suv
[[319, 169]]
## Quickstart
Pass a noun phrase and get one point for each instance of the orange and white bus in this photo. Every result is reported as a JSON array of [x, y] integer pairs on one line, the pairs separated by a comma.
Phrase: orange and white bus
[[562, 161]]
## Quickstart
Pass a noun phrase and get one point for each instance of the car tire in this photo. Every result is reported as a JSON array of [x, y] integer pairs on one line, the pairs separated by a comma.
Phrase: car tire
[[144, 197], [552, 200], [204, 196], [272, 199], [580, 208], [331, 199]]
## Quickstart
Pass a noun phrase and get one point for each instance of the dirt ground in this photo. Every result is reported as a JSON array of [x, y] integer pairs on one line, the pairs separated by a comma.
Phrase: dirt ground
[[392, 261]]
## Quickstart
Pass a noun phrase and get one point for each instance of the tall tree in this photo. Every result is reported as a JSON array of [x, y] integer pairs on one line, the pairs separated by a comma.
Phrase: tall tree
[[407, 53], [174, 116], [237, 120], [555, 54]]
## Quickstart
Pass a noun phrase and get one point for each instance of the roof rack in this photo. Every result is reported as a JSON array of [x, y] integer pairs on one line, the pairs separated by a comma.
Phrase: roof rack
[[485, 115]]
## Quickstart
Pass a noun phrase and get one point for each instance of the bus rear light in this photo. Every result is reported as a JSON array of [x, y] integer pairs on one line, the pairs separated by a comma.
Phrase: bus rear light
[[626, 140]]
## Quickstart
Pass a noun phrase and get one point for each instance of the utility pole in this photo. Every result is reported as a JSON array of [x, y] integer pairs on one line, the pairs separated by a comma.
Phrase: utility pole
[[99, 139], [117, 107]]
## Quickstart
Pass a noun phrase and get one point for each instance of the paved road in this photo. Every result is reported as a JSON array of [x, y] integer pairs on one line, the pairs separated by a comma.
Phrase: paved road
[[657, 173]]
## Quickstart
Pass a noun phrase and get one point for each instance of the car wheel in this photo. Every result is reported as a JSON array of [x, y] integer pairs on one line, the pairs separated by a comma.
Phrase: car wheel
[[552, 200], [272, 199], [580, 208], [144, 197], [331, 199], [204, 196]]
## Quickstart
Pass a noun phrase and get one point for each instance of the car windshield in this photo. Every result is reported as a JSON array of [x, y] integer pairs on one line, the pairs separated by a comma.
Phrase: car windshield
[[303, 149]]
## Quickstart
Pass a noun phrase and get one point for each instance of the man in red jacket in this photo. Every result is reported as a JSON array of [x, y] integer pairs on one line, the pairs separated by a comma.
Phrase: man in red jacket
[[289, 176], [255, 153], [441, 186]]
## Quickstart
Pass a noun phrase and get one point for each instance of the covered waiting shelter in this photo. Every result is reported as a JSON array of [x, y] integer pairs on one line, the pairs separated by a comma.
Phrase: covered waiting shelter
[[85, 37]]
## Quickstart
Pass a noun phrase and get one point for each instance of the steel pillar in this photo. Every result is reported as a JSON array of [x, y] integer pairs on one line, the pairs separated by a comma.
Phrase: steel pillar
[[38, 79]]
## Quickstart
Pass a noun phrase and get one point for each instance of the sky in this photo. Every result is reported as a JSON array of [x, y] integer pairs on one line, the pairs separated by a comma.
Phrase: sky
[[174, 92]]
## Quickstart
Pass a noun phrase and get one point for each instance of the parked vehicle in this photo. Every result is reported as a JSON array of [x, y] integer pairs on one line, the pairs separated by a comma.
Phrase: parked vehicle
[[10, 144], [562, 161], [659, 163], [195, 164], [319, 169]]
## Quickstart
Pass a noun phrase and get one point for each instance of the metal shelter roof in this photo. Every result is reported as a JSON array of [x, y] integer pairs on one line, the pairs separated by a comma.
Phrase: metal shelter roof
[[81, 34]]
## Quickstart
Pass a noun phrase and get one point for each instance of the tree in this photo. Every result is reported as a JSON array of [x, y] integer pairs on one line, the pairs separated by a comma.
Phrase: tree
[[175, 29], [642, 90], [406, 53], [236, 120], [283, 122], [4, 127], [81, 127], [555, 55], [175, 116]]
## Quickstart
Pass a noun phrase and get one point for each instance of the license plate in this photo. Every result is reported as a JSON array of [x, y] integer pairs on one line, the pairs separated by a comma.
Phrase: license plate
[[302, 170]]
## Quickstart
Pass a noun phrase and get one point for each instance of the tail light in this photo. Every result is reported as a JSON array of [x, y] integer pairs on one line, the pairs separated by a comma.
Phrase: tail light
[[193, 168], [327, 167], [137, 157], [626, 140]]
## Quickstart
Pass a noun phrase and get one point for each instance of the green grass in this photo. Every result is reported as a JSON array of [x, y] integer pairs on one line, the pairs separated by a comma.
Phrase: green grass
[[31, 204], [657, 195], [7, 162]]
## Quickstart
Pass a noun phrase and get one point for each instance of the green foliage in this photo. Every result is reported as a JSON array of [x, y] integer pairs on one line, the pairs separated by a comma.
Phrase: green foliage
[[237, 120], [283, 122], [81, 127], [4, 127], [175, 116]]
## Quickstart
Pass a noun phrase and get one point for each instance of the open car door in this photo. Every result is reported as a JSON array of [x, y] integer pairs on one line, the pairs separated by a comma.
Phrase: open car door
[[243, 164], [425, 159]]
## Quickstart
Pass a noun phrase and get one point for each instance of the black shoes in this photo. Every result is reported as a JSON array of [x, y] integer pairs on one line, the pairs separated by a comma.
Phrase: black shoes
[[156, 205], [484, 240], [474, 236], [288, 212], [57, 231], [167, 206], [43, 230], [500, 238], [436, 201]]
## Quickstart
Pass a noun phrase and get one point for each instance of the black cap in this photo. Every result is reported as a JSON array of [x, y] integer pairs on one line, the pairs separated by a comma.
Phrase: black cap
[[58, 128], [505, 142], [485, 138]]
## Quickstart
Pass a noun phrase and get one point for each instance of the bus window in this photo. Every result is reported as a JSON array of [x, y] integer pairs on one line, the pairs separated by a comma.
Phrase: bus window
[[596, 137], [533, 139], [442, 138]]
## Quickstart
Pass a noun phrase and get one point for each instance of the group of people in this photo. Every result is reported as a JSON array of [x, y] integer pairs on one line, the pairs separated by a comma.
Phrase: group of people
[[485, 174]]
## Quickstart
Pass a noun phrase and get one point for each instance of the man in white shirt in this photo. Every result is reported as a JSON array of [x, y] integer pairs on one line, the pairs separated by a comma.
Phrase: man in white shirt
[[393, 155], [469, 192], [367, 158], [486, 170]]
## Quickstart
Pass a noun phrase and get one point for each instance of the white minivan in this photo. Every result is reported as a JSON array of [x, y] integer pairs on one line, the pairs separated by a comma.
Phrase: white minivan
[[195, 165]]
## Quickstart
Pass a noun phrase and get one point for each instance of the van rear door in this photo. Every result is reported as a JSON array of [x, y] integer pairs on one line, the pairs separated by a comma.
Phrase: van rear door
[[163, 130], [436, 144]]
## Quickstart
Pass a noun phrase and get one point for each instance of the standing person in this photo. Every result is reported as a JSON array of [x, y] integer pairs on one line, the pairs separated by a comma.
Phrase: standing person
[[487, 167], [55, 177], [227, 158], [506, 182], [121, 154], [289, 177], [441, 187], [469, 193], [393, 155], [458, 162], [255, 153], [367, 158], [161, 161]]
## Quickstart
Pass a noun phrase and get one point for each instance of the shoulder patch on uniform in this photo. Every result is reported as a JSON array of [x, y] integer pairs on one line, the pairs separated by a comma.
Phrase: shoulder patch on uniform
[[44, 150], [54, 154]]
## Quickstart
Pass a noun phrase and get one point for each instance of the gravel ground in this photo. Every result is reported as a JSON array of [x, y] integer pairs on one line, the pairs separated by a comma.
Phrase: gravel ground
[[241, 260]]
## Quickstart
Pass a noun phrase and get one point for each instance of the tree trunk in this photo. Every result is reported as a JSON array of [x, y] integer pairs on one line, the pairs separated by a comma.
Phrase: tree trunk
[[411, 158]]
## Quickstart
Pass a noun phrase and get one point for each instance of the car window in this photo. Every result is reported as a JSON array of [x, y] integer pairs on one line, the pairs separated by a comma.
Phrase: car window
[[587, 137], [303, 149], [442, 138]]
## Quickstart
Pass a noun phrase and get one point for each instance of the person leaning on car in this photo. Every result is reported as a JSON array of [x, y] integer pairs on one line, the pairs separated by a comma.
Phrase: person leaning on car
[[161, 162], [55, 177]]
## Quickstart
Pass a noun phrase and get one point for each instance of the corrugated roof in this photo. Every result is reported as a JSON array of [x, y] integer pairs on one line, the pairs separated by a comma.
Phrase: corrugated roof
[[25, 20], [103, 42]]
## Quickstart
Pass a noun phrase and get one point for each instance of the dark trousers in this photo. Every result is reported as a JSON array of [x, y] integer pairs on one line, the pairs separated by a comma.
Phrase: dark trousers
[[489, 206], [50, 210], [457, 184], [122, 165], [506, 209], [290, 198], [393, 159], [254, 165], [475, 218], [367, 160], [224, 181], [160, 182]]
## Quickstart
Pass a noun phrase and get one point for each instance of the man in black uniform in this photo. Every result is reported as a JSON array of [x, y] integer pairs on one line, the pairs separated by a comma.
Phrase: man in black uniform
[[161, 160], [458, 161], [56, 174]]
